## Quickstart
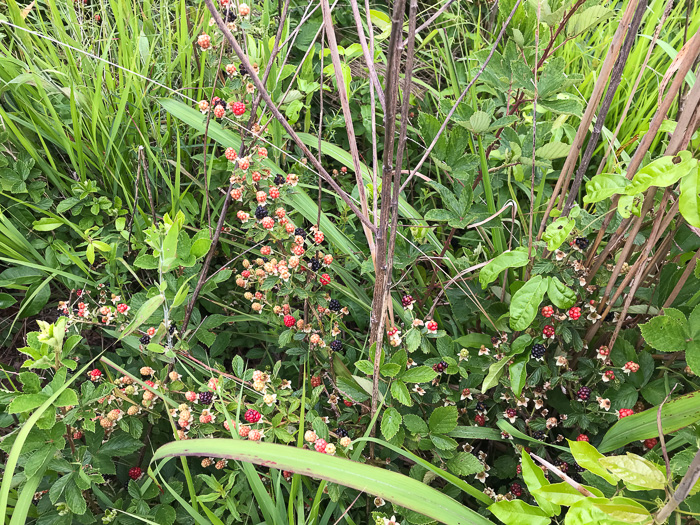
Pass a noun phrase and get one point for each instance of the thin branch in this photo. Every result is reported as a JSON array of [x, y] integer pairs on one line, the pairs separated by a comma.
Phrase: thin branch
[[369, 57], [583, 490], [432, 19], [659, 426]]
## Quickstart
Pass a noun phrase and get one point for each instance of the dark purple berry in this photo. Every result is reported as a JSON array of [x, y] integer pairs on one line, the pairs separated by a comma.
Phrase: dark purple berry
[[538, 351], [336, 345], [206, 398], [334, 305], [582, 243], [583, 394], [145, 339], [260, 212], [516, 490]]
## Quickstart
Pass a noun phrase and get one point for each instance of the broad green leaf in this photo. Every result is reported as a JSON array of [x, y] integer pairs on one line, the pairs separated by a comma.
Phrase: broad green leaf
[[534, 478], [443, 419], [561, 295], [553, 150], [495, 373], [518, 374], [465, 464], [557, 232], [513, 259], [625, 206], [391, 421], [200, 247], [26, 402], [517, 512], [636, 470], [418, 374], [624, 509], [665, 333], [526, 302], [689, 200], [400, 393], [479, 122], [47, 224], [604, 186], [586, 19], [391, 486], [587, 456], [675, 414], [662, 172], [562, 493], [415, 424], [439, 215]]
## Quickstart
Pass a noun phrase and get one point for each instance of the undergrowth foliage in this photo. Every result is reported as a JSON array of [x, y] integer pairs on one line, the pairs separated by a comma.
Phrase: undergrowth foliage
[[286, 262]]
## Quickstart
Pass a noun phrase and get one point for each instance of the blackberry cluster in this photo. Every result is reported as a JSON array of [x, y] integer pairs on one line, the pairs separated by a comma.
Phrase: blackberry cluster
[[265, 259], [336, 345], [583, 394], [301, 232], [172, 328], [315, 264], [516, 490], [581, 242], [230, 17], [260, 212], [341, 432], [538, 351], [242, 70], [406, 301], [440, 367], [610, 317], [219, 102], [279, 179], [145, 339], [511, 412], [578, 468], [561, 465], [206, 398], [334, 305], [480, 406], [538, 435]]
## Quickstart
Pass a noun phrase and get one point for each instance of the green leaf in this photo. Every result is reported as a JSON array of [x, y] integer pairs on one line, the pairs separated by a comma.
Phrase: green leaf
[[675, 414], [562, 493], [665, 333], [418, 374], [689, 200], [146, 311], [443, 442], [6, 300], [390, 369], [365, 366], [557, 232], [534, 478], [517, 512], [604, 186], [465, 464], [495, 373], [513, 259], [47, 224], [553, 150], [391, 486], [26, 402], [518, 374], [561, 295], [415, 424], [526, 301], [181, 295], [623, 509], [439, 215], [400, 393], [74, 498], [587, 456], [443, 420], [479, 122], [351, 388], [636, 470], [429, 127], [120, 444], [200, 247], [662, 172], [391, 421]]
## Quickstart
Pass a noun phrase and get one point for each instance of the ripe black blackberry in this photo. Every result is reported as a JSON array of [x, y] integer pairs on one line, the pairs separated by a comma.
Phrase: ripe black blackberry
[[538, 435], [516, 490], [336, 345], [172, 328], [145, 339], [582, 243], [265, 259], [242, 70], [334, 305], [538, 351], [341, 432], [315, 264], [279, 180], [301, 232], [219, 102], [578, 468], [260, 212], [230, 17], [480, 406], [583, 394], [610, 317], [206, 398]]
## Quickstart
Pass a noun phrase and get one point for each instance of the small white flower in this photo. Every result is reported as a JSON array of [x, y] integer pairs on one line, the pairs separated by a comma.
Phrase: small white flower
[[418, 390], [378, 502], [388, 521], [481, 476]]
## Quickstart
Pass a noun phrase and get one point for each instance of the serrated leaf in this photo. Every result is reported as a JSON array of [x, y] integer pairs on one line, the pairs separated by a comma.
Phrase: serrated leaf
[[391, 421], [689, 200], [443, 420], [479, 122], [415, 424], [418, 374], [665, 333], [400, 393], [465, 464], [587, 456], [443, 442]]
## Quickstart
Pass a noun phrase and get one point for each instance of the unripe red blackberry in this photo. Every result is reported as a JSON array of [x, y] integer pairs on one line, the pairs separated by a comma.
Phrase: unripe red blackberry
[[547, 311], [548, 331], [406, 301], [516, 490], [624, 412], [316, 381], [511, 412], [480, 420], [574, 313], [252, 416], [583, 437], [135, 473], [289, 321], [650, 443]]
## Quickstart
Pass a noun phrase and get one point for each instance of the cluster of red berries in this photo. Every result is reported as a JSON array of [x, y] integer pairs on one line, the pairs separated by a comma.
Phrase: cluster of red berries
[[583, 437], [547, 311], [480, 420], [624, 412], [548, 331], [252, 416], [574, 313]]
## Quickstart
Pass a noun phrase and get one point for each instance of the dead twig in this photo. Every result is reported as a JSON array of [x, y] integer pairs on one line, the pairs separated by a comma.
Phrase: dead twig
[[583, 490]]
